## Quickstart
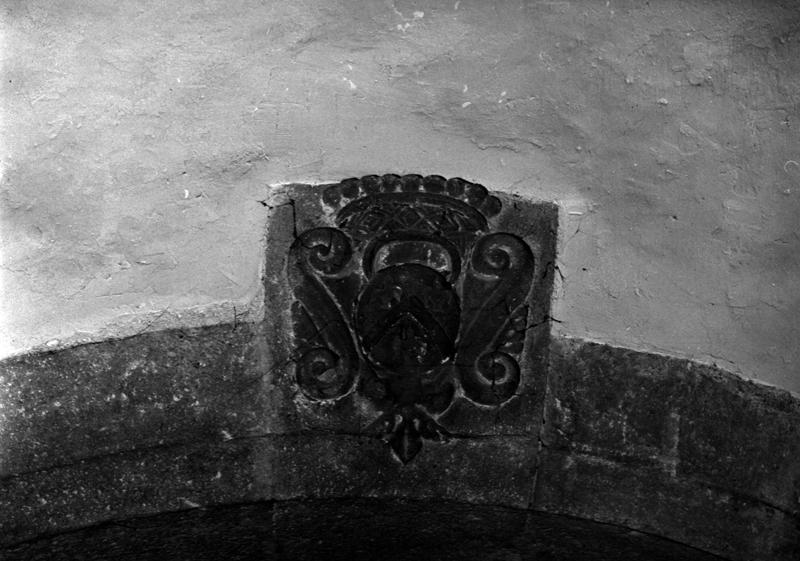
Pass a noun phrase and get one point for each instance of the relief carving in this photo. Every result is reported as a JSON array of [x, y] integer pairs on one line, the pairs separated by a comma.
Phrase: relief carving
[[410, 301]]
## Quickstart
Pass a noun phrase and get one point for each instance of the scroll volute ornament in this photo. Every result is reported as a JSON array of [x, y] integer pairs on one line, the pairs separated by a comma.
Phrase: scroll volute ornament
[[411, 302]]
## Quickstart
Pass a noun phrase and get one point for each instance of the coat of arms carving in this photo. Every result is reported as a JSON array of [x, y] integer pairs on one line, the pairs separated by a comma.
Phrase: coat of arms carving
[[409, 299]]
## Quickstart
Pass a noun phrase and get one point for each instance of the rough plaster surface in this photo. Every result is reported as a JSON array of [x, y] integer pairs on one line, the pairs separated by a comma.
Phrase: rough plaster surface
[[139, 138]]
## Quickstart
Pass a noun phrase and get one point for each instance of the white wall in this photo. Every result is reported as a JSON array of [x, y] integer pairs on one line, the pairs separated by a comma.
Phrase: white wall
[[138, 138]]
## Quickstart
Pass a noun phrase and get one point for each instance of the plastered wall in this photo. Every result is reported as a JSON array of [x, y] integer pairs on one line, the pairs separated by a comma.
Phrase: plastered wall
[[139, 140]]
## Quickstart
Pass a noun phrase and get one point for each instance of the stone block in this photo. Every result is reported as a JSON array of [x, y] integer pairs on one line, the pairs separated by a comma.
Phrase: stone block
[[154, 389], [646, 499], [485, 470], [693, 420], [668, 446], [411, 308], [355, 529], [395, 530], [232, 533], [125, 485]]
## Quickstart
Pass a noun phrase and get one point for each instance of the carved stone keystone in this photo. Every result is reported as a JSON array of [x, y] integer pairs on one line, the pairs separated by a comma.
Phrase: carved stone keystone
[[423, 302]]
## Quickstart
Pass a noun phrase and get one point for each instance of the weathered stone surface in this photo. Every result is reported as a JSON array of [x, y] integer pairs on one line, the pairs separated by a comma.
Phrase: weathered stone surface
[[487, 470], [742, 436], [125, 485], [694, 421], [399, 530], [562, 537], [234, 532], [154, 389], [355, 529], [665, 445], [644, 498], [418, 308], [639, 441]]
